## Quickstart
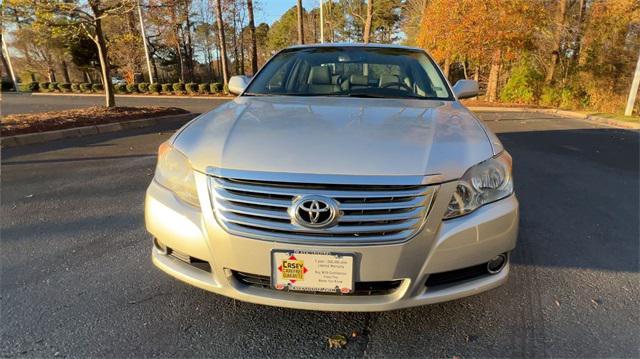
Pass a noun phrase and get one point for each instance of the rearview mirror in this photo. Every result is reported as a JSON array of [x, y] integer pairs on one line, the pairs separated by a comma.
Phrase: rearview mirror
[[237, 84], [466, 89]]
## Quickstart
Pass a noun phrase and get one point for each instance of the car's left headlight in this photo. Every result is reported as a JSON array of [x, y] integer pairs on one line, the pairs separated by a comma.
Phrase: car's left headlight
[[174, 172], [486, 182]]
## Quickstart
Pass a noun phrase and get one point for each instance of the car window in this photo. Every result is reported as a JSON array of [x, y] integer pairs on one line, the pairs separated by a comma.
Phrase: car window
[[351, 71]]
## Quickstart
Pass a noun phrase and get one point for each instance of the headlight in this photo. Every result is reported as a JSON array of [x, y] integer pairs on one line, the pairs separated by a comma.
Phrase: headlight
[[483, 183], [175, 173]]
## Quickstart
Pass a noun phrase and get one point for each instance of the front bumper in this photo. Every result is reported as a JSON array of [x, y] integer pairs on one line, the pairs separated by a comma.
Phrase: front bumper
[[441, 246]]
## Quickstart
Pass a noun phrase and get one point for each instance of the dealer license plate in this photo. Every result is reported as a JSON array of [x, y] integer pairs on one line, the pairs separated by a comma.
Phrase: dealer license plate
[[312, 271]]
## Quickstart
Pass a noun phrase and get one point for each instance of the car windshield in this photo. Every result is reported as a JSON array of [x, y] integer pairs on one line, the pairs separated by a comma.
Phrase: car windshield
[[351, 71]]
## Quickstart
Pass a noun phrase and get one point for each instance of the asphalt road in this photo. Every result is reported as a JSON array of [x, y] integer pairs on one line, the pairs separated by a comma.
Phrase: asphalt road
[[76, 278], [12, 103]]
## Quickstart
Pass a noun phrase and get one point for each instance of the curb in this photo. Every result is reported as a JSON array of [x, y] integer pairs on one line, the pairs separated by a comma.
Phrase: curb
[[563, 113], [42, 137], [136, 96]]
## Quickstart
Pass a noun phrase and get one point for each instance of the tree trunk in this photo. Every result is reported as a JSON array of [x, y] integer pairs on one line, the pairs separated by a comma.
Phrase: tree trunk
[[221, 40], [578, 36], [51, 74], [557, 38], [300, 24], [446, 68], [494, 73], [105, 67], [367, 24], [252, 32], [234, 42], [65, 72], [189, 47]]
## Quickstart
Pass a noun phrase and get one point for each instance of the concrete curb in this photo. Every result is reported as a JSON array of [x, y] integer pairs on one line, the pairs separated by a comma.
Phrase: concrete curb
[[205, 97], [41, 137], [562, 113]]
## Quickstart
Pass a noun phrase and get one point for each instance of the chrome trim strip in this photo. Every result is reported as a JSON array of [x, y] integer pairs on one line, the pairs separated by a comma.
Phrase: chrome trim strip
[[325, 179]]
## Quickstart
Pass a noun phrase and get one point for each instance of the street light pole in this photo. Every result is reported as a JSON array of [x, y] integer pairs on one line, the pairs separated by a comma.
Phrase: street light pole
[[634, 90], [144, 42], [321, 23]]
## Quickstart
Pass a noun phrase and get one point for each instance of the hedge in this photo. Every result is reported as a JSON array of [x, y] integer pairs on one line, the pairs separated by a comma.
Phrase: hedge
[[215, 87], [97, 87], [43, 86], [53, 86], [28, 87], [120, 88], [85, 87], [203, 88], [132, 88], [154, 88], [75, 87], [143, 87], [178, 87], [166, 88], [191, 88], [65, 87]]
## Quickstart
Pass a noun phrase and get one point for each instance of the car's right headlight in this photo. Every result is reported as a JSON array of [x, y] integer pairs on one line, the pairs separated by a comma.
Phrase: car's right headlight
[[174, 172], [486, 182]]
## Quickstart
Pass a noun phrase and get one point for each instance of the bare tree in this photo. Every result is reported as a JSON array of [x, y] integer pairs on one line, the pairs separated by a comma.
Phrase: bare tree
[[221, 41]]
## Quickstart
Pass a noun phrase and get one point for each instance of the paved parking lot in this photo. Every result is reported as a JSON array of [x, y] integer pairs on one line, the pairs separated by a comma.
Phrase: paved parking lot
[[76, 278]]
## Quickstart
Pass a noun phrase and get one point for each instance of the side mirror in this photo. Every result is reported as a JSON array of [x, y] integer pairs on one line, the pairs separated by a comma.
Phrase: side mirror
[[466, 89], [237, 84]]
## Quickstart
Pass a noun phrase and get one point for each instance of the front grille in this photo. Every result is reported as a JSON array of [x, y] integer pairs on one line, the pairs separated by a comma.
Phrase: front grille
[[457, 275], [360, 288], [368, 214]]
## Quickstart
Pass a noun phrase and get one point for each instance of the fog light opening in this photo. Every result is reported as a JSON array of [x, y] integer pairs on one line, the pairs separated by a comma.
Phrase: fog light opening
[[497, 264], [161, 248]]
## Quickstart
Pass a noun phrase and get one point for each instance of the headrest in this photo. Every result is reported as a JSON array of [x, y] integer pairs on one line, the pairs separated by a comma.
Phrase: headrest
[[388, 79], [320, 75], [359, 80]]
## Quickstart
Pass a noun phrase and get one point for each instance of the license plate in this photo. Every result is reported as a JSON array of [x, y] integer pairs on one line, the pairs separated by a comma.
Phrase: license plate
[[312, 271]]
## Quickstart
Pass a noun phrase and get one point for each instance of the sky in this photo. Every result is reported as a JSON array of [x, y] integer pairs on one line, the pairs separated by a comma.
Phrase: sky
[[271, 10]]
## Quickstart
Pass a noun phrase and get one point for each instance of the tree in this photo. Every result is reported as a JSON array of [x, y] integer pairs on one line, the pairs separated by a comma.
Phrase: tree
[[557, 38], [221, 41], [367, 24], [85, 17], [252, 31], [300, 12]]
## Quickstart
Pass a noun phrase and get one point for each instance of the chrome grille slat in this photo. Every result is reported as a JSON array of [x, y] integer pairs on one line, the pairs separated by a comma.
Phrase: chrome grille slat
[[368, 214], [288, 227], [278, 190]]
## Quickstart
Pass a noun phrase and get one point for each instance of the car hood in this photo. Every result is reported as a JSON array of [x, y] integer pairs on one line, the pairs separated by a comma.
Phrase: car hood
[[337, 136]]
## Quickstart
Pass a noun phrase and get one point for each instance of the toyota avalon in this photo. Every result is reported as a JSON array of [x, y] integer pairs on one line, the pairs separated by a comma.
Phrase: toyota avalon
[[341, 178]]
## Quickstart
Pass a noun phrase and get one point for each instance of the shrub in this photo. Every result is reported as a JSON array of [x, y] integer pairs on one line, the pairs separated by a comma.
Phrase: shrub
[[225, 89], [215, 87], [154, 88], [178, 87], [143, 87], [120, 88], [65, 87], [203, 88], [85, 87], [132, 88], [53, 86], [43, 86], [166, 88], [75, 87], [28, 87], [523, 84], [97, 87], [191, 88]]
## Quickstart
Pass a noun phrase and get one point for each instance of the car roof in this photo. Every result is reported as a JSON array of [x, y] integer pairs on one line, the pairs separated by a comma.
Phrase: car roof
[[355, 44]]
